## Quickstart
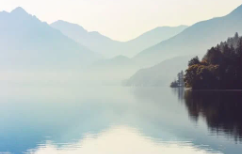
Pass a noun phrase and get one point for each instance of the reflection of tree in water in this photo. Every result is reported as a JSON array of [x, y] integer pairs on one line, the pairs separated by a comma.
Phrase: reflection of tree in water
[[222, 110], [179, 91]]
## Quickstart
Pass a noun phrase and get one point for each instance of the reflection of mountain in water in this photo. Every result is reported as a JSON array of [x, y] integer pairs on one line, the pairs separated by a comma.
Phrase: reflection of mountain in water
[[31, 118], [222, 110]]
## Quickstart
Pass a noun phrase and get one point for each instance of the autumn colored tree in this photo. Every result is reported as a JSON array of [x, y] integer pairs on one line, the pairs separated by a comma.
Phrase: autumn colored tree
[[221, 67]]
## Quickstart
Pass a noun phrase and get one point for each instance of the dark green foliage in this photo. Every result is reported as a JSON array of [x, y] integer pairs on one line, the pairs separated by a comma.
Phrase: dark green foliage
[[194, 61], [221, 67]]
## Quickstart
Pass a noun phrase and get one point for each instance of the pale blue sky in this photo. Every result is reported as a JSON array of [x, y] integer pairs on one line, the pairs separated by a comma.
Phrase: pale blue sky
[[124, 19]]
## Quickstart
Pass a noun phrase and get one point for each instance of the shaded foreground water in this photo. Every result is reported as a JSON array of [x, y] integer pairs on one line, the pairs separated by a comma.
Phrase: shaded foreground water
[[108, 120]]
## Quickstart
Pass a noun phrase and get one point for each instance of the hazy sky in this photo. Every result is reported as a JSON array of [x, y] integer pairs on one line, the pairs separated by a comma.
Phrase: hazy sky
[[124, 19]]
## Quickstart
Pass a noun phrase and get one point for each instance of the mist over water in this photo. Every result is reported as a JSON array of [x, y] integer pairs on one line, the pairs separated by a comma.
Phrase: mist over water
[[51, 119], [65, 90]]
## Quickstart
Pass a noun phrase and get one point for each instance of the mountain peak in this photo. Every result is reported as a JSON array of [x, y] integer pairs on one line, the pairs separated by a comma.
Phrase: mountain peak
[[60, 21], [19, 10]]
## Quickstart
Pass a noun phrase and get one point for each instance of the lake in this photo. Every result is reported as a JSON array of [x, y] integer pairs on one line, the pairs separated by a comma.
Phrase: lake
[[55, 119]]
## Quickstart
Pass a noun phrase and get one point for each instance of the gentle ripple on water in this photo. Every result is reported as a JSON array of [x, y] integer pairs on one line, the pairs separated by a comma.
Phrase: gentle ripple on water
[[107, 120]]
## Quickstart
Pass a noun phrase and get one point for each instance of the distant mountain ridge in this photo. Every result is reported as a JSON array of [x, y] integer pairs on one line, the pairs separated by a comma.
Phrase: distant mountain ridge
[[159, 75], [116, 61], [92, 40], [153, 37], [25, 41], [111, 48], [195, 39], [174, 54]]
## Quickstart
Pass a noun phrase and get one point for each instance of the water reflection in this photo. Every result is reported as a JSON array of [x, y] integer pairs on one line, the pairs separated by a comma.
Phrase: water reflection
[[119, 140], [61, 120], [222, 110], [180, 91]]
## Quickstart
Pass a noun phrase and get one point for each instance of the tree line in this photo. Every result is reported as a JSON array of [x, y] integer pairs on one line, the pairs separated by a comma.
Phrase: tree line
[[220, 68]]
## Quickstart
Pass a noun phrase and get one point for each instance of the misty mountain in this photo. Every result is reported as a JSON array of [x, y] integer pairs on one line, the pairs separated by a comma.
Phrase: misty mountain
[[110, 71], [161, 74], [111, 48], [151, 38], [195, 39], [92, 40], [116, 61], [26, 42]]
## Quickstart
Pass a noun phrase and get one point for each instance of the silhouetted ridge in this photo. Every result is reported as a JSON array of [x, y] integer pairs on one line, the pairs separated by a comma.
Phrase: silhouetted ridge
[[19, 11], [237, 11], [72, 26], [111, 48], [194, 40], [26, 42]]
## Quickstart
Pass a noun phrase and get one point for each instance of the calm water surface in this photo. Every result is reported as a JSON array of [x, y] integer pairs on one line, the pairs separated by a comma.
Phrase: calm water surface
[[118, 120]]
